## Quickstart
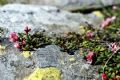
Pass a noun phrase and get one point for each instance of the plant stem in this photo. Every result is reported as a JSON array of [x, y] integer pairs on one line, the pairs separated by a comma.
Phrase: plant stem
[[107, 61]]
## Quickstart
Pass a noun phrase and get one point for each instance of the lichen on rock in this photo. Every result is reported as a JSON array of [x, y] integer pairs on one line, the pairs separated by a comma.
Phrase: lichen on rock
[[50, 73]]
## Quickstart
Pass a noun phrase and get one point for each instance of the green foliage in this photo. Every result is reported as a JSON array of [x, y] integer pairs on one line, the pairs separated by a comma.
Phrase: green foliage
[[2, 2], [69, 43], [34, 41], [72, 41]]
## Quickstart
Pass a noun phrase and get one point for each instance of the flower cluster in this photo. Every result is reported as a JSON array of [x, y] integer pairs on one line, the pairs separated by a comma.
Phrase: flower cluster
[[13, 37], [89, 35], [19, 43]]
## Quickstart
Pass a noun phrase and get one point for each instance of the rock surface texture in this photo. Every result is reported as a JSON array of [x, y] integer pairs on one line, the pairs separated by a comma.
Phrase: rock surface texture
[[13, 66], [71, 4], [14, 17]]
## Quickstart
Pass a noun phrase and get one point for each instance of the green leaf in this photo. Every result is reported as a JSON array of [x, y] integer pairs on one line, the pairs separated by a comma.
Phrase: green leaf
[[118, 65]]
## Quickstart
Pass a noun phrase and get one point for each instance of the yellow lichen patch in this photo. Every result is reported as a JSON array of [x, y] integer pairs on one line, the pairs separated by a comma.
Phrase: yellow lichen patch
[[98, 14], [45, 74], [2, 47], [72, 59], [26, 54], [82, 30]]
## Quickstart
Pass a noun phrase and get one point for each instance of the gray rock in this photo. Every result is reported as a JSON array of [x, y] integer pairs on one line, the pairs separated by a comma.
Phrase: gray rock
[[13, 65], [16, 67], [14, 17], [51, 56], [46, 57], [71, 4]]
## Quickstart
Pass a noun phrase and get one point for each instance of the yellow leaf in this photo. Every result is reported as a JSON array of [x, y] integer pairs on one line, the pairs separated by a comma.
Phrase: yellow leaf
[[26, 54], [50, 73], [98, 14]]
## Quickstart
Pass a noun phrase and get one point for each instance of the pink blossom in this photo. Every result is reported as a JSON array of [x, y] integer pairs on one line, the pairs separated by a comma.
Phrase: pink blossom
[[17, 45], [104, 76], [89, 35], [27, 29], [114, 47], [108, 21], [89, 56], [13, 37], [24, 42]]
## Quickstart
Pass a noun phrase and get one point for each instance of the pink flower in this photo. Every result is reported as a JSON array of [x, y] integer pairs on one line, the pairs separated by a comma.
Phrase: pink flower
[[114, 7], [13, 37], [89, 56], [89, 35], [23, 42], [27, 29], [108, 21], [17, 45], [114, 47], [104, 76]]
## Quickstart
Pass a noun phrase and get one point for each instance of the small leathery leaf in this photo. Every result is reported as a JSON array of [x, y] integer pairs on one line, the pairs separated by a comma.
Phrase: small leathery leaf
[[98, 14], [50, 73], [26, 54]]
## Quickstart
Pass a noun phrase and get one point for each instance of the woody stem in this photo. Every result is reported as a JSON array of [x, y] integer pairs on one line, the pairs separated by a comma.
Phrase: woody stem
[[107, 61]]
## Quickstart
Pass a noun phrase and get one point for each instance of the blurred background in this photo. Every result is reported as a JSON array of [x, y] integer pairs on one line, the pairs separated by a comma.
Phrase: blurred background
[[67, 4]]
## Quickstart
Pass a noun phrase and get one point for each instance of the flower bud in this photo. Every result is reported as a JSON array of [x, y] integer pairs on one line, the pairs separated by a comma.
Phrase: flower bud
[[27, 30], [104, 76]]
